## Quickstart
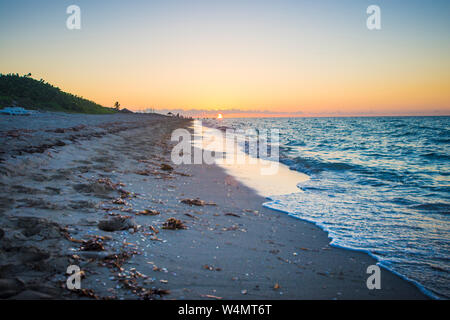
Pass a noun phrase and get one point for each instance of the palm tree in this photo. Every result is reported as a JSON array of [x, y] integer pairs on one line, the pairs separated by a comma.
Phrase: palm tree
[[116, 105]]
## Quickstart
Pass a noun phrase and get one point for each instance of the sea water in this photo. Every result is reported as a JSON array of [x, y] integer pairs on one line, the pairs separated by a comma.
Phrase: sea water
[[376, 184]]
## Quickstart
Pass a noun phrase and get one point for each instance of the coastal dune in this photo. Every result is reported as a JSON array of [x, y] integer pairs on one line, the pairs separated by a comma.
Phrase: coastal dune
[[101, 193]]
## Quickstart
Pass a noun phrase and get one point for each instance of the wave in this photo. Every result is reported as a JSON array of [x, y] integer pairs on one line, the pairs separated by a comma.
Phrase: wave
[[373, 176], [443, 208], [295, 143], [378, 185], [441, 140], [436, 156], [338, 244], [311, 166]]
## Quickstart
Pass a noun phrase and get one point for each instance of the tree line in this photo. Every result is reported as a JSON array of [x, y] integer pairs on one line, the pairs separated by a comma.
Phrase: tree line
[[24, 91]]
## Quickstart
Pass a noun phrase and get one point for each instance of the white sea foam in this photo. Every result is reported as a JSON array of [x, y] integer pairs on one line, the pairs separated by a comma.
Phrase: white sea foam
[[378, 185]]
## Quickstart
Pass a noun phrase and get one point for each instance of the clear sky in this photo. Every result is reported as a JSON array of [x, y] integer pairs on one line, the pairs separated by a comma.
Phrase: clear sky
[[312, 57]]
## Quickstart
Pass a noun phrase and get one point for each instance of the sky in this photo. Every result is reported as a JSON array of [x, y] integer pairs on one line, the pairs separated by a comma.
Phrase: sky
[[246, 57]]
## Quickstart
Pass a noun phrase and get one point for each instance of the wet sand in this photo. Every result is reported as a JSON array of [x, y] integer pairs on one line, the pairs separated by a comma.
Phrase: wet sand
[[65, 181]]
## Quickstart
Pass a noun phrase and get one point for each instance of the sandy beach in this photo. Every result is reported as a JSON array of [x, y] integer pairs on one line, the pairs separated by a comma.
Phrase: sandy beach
[[97, 192]]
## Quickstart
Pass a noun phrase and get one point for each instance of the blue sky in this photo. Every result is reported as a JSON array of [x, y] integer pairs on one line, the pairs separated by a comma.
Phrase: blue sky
[[286, 56]]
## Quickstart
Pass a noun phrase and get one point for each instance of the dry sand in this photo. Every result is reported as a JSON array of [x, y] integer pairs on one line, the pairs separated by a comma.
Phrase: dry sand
[[60, 175]]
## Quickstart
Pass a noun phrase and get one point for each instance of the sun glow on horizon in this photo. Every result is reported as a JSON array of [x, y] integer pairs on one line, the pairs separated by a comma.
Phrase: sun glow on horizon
[[283, 58]]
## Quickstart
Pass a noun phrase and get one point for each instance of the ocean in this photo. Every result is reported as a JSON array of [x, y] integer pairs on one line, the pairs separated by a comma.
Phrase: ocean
[[376, 184]]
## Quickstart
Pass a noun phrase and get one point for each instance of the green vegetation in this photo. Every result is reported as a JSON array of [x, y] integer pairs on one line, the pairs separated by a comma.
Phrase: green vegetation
[[29, 93]]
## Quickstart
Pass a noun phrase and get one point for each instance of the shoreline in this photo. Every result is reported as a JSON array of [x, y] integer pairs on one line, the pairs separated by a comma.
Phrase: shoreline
[[234, 249], [419, 286], [398, 288], [259, 186]]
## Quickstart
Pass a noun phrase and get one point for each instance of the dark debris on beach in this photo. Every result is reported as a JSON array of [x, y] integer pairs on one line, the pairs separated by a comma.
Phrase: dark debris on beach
[[174, 224]]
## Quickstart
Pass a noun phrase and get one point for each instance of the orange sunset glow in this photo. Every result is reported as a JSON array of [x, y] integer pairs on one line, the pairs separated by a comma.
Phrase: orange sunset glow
[[222, 151], [283, 61]]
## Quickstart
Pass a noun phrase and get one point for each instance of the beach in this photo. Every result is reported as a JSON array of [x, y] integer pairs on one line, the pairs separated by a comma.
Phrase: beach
[[97, 192]]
